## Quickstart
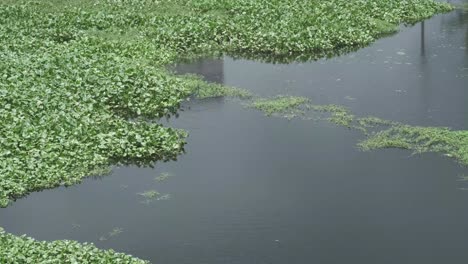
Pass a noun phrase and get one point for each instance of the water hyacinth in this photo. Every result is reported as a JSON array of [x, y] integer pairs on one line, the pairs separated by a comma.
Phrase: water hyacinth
[[14, 249], [79, 80], [70, 87]]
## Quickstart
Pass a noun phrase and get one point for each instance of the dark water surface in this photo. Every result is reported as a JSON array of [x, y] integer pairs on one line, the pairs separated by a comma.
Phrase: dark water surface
[[255, 190]]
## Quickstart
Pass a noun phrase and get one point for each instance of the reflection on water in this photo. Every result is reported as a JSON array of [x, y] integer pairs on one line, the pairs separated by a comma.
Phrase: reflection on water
[[212, 70], [253, 189]]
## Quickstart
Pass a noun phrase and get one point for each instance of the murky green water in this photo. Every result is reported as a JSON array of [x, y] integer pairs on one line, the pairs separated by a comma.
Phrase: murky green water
[[256, 189]]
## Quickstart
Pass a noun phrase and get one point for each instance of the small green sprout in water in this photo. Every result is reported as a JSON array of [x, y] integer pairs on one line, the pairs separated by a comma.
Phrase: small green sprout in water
[[75, 226], [290, 105], [102, 238], [162, 177], [149, 194], [115, 232]]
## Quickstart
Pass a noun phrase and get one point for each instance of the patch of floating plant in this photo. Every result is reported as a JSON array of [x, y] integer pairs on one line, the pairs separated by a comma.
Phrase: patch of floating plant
[[204, 90], [113, 233], [151, 196], [286, 106], [163, 177], [380, 133]]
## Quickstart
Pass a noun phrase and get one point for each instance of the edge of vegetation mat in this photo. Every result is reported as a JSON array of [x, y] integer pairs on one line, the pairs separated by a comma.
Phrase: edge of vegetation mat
[[14, 249], [79, 80]]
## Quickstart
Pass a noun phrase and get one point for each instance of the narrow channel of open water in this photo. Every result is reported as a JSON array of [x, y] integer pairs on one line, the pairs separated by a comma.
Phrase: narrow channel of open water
[[255, 189]]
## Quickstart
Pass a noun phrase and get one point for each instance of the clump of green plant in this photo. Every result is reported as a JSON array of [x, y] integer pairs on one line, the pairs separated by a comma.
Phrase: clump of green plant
[[451, 143], [15, 249], [162, 177], [280, 105], [149, 194], [204, 90], [372, 121], [339, 114], [116, 231]]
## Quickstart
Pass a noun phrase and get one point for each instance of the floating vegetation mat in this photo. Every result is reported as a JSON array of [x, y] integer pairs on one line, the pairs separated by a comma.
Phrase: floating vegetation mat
[[380, 133], [453, 144], [14, 249], [80, 79]]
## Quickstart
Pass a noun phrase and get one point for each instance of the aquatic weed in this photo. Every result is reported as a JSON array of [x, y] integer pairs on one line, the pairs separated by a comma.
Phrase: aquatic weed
[[279, 105], [22, 249], [162, 177], [149, 194], [115, 232]]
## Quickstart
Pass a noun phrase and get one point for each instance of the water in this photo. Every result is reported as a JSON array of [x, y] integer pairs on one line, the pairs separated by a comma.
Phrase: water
[[255, 189]]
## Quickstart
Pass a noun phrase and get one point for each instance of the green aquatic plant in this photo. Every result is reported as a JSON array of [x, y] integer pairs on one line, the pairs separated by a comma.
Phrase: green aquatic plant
[[115, 232], [77, 90], [149, 194], [204, 90], [80, 79], [338, 114], [372, 121], [451, 143], [280, 105], [162, 177], [22, 249]]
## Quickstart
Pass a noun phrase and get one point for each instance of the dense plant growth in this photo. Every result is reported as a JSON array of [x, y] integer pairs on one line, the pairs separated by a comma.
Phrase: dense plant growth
[[75, 73], [79, 81], [19, 250]]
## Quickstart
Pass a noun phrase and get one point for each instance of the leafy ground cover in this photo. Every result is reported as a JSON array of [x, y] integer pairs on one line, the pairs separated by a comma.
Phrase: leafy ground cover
[[23, 249], [80, 79]]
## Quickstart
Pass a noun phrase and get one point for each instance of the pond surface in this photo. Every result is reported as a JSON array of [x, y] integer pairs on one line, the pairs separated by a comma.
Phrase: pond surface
[[255, 189]]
